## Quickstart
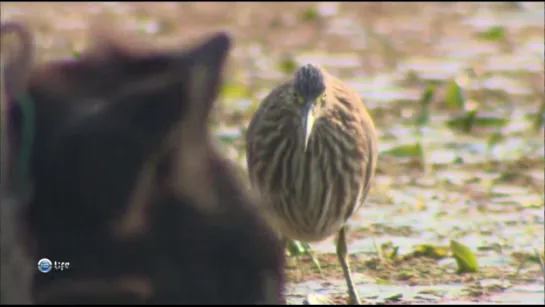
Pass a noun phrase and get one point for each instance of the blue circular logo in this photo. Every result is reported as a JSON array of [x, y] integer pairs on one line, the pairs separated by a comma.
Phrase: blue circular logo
[[45, 265]]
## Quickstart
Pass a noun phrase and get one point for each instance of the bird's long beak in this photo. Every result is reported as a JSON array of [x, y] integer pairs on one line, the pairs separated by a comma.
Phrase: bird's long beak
[[307, 116]]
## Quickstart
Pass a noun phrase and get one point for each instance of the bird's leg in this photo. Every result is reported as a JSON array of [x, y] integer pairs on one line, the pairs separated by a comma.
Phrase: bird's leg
[[284, 241], [289, 245], [342, 254], [308, 250]]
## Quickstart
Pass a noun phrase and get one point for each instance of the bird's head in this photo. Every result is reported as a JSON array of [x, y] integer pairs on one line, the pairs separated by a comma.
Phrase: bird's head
[[309, 83]]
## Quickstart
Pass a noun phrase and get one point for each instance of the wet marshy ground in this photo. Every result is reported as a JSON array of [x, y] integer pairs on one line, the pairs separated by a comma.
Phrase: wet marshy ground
[[457, 94]]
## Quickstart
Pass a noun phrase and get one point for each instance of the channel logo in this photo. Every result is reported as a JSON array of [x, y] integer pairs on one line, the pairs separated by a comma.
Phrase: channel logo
[[45, 265]]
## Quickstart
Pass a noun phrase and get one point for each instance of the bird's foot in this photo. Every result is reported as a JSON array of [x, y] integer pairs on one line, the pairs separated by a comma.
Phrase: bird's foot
[[353, 299], [317, 299]]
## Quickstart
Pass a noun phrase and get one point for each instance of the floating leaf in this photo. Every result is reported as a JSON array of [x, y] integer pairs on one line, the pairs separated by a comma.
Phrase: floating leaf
[[524, 256], [232, 90], [493, 140], [464, 122], [539, 118], [458, 160], [425, 101], [509, 174], [76, 54], [427, 96], [394, 252], [465, 259], [405, 275], [541, 258], [387, 250], [382, 281], [494, 33], [431, 251], [470, 119], [226, 139], [310, 14], [494, 284], [432, 291], [407, 150], [288, 65], [394, 297], [487, 121], [532, 205], [454, 97]]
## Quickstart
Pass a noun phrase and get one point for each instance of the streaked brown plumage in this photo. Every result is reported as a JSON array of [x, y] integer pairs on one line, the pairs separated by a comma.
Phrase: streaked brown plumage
[[311, 155]]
